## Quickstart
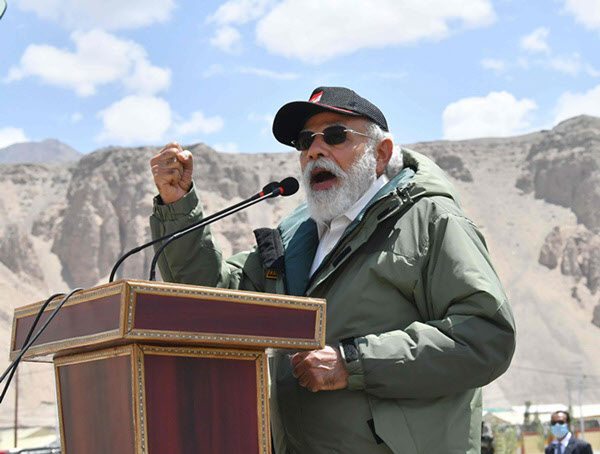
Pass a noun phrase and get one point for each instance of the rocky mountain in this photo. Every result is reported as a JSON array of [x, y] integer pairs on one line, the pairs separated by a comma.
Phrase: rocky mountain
[[47, 151], [535, 198]]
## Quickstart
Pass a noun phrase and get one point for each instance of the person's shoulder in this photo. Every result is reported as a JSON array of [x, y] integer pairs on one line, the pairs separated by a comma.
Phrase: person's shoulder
[[576, 440], [578, 443]]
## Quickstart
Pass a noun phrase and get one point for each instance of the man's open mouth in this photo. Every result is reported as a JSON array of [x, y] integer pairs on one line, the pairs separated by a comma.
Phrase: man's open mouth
[[321, 175]]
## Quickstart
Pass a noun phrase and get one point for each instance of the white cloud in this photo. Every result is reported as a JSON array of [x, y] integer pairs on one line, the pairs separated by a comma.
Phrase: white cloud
[[146, 78], [493, 64], [573, 104], [99, 58], [572, 65], [150, 119], [587, 12], [227, 147], [199, 123], [536, 40], [76, 117], [264, 120], [240, 11], [10, 136], [135, 119], [106, 14], [497, 114], [304, 29], [524, 63], [267, 73], [228, 39], [213, 70], [219, 70]]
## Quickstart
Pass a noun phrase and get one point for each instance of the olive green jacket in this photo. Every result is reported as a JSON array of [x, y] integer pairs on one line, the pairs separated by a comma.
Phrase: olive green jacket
[[410, 284]]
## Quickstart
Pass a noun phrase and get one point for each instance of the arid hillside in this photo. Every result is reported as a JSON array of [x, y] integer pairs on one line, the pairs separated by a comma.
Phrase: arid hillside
[[536, 198]]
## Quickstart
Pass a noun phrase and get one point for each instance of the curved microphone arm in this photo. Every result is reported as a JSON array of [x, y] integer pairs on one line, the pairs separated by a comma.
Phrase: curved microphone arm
[[267, 189], [209, 220]]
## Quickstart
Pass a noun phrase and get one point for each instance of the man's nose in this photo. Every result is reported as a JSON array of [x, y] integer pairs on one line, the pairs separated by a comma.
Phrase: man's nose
[[318, 148]]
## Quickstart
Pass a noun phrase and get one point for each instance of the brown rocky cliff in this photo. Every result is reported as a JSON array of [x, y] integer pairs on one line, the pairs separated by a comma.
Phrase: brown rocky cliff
[[110, 198], [564, 168]]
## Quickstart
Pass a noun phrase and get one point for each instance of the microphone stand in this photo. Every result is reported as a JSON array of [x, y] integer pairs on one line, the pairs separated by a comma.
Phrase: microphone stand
[[209, 220]]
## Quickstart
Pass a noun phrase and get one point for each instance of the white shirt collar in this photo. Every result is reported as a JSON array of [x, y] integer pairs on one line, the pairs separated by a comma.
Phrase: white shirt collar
[[355, 209], [565, 441]]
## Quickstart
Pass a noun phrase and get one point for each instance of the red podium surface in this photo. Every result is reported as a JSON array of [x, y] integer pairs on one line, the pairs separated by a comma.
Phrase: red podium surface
[[147, 367]]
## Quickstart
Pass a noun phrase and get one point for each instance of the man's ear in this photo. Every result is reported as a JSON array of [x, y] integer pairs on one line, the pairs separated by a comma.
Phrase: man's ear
[[383, 154]]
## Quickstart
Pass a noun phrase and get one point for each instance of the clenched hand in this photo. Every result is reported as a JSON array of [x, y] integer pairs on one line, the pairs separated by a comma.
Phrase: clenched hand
[[320, 370], [172, 169]]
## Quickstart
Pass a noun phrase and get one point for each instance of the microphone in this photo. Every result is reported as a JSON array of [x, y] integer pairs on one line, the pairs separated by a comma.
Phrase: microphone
[[287, 187], [266, 190]]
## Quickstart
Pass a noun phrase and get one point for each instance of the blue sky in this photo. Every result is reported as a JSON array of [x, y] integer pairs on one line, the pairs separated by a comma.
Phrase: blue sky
[[95, 73]]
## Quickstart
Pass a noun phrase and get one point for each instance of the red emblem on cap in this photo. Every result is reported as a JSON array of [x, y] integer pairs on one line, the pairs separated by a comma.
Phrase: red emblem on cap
[[316, 97]]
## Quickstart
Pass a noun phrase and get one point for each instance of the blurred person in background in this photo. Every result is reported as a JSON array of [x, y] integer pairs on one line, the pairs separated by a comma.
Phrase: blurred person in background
[[564, 440]]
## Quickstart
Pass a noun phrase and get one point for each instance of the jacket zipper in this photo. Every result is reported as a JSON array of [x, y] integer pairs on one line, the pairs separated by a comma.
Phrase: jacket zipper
[[405, 197]]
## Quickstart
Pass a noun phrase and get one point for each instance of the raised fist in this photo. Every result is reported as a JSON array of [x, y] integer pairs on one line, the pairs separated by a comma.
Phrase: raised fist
[[172, 169]]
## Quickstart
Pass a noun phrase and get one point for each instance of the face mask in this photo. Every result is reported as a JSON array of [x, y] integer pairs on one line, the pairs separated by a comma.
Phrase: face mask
[[559, 430]]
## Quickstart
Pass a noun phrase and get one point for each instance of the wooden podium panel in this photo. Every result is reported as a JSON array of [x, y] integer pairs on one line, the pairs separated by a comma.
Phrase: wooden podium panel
[[96, 391], [158, 399], [133, 311], [153, 367]]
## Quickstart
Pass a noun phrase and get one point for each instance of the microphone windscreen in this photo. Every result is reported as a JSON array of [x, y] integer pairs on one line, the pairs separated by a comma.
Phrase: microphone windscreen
[[270, 187], [289, 186]]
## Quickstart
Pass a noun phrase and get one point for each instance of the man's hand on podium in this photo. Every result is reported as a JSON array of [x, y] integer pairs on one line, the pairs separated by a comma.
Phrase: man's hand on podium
[[320, 370]]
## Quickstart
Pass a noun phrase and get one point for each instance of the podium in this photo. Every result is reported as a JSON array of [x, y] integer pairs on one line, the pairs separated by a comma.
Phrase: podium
[[151, 367]]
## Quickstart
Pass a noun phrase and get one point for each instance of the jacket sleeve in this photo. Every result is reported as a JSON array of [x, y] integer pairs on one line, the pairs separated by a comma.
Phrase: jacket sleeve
[[467, 338], [195, 258]]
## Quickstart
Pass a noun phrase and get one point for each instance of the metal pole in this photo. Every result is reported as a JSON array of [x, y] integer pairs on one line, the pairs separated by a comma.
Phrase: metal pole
[[569, 394], [16, 421], [581, 420]]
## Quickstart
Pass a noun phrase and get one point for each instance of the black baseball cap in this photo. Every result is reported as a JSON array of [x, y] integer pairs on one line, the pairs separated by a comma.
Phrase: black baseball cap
[[290, 119]]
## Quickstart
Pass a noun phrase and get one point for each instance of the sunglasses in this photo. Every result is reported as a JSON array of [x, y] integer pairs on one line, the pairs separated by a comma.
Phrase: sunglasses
[[333, 135], [553, 423]]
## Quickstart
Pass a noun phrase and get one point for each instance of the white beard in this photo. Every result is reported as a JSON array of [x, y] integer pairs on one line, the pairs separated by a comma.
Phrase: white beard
[[328, 204]]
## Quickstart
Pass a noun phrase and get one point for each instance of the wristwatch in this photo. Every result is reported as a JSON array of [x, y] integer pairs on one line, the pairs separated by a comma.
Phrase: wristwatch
[[348, 350]]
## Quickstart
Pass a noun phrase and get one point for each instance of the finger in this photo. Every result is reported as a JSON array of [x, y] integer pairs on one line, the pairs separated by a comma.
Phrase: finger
[[171, 145], [171, 174], [167, 170], [310, 382], [168, 157], [302, 368], [186, 160], [166, 177], [311, 365], [184, 156], [298, 357], [164, 157]]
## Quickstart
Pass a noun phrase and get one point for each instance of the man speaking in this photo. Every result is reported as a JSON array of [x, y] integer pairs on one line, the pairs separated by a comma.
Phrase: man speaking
[[417, 320]]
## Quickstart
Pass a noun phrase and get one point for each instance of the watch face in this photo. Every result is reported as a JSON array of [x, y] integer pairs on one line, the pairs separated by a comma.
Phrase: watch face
[[350, 350]]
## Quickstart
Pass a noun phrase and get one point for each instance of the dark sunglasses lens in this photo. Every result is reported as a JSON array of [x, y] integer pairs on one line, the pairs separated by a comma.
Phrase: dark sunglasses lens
[[334, 135], [304, 141]]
